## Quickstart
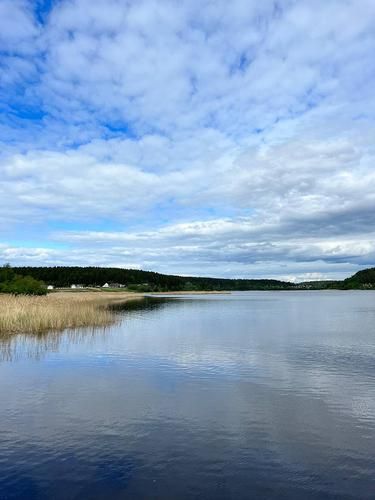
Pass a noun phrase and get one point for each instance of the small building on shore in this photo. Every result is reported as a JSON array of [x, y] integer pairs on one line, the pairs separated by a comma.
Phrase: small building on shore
[[114, 285], [50, 287]]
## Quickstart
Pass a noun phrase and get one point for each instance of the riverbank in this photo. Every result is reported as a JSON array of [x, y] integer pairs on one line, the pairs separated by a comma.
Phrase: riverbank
[[59, 311]]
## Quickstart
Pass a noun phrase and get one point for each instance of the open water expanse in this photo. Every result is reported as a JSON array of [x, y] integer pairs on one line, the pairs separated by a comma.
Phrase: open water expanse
[[256, 395]]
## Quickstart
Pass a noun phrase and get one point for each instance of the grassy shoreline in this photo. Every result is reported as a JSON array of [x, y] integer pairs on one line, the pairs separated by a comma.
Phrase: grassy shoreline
[[59, 311]]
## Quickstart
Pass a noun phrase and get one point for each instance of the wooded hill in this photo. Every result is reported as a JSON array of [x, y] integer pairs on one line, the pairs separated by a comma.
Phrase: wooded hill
[[362, 279]]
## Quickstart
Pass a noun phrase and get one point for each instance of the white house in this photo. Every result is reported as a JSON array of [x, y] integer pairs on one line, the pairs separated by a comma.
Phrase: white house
[[50, 287], [73, 286], [105, 285]]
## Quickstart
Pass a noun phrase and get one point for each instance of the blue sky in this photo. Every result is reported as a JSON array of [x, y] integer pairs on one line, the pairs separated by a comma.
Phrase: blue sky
[[205, 138]]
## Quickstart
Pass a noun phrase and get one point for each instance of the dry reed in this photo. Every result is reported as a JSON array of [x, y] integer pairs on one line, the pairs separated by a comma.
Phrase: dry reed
[[58, 311]]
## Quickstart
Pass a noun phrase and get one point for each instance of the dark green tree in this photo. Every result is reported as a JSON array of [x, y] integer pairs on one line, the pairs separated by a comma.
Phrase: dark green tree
[[10, 282]]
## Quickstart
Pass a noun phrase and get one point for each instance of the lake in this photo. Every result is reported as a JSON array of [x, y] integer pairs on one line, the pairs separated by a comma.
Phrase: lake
[[252, 395]]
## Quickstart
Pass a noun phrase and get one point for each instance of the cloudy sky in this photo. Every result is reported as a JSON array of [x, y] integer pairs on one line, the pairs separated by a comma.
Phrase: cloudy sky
[[189, 137]]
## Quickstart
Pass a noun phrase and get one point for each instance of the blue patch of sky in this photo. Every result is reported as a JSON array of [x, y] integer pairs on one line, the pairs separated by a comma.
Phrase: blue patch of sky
[[119, 129], [18, 103], [312, 98], [42, 8], [26, 112], [240, 63], [37, 235], [243, 62]]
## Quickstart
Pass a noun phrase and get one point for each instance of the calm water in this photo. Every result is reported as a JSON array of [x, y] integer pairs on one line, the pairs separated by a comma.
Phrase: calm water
[[252, 395]]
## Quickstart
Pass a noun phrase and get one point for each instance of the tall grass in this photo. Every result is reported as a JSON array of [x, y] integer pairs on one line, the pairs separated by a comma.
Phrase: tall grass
[[57, 311]]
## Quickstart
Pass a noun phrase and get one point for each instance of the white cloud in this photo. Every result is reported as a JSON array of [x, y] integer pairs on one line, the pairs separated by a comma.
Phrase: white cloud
[[18, 28]]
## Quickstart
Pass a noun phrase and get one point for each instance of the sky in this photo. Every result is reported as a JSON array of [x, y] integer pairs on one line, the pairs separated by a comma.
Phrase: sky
[[206, 138]]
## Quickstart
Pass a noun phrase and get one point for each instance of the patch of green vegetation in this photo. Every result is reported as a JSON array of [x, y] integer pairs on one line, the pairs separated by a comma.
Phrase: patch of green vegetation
[[16, 284]]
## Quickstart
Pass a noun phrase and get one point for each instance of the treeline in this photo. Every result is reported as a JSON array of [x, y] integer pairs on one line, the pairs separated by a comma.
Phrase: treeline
[[32, 280], [134, 279], [19, 284]]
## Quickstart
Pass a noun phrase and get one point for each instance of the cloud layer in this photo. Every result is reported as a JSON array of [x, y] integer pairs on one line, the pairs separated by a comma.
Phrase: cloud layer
[[230, 139]]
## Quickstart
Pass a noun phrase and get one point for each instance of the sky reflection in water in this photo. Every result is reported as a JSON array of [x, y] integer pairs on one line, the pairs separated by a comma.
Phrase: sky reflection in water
[[250, 395]]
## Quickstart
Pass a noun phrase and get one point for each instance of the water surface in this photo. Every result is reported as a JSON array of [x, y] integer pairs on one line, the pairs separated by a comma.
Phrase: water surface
[[249, 395]]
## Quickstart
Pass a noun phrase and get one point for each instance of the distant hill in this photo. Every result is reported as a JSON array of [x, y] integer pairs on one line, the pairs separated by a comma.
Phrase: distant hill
[[144, 281]]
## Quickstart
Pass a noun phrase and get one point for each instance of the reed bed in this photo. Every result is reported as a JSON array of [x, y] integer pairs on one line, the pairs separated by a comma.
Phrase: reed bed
[[58, 311]]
